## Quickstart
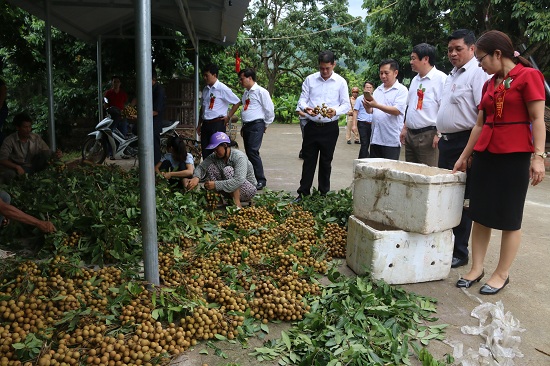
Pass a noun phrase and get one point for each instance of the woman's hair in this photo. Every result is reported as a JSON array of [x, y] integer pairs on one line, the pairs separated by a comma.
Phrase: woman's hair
[[494, 40], [179, 150]]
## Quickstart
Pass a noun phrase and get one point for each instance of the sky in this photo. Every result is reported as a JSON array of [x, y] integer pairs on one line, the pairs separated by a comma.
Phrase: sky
[[355, 8]]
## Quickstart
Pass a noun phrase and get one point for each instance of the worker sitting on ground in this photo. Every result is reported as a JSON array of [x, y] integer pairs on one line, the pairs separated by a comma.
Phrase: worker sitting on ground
[[227, 170], [8, 212], [177, 164], [23, 151]]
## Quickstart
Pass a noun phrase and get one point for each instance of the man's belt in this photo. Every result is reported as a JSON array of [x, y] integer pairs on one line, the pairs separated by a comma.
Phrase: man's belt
[[455, 135], [323, 124], [217, 119], [252, 122], [364, 122], [416, 131]]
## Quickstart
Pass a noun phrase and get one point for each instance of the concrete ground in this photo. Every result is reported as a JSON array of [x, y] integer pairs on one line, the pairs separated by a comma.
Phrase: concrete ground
[[527, 297]]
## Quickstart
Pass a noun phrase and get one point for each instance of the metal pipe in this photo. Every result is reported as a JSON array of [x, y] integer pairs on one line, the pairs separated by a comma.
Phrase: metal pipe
[[99, 80], [49, 72], [197, 91], [145, 126]]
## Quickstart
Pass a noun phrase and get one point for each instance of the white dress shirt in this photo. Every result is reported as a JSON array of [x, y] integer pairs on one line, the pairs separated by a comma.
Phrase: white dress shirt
[[461, 96], [386, 127], [223, 97], [260, 105], [333, 92], [432, 83]]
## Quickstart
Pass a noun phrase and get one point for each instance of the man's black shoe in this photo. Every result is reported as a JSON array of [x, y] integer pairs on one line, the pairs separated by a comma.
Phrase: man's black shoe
[[459, 262], [260, 186]]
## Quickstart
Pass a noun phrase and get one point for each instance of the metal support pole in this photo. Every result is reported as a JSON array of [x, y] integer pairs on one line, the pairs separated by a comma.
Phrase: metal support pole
[[145, 126], [197, 91], [99, 80], [49, 71]]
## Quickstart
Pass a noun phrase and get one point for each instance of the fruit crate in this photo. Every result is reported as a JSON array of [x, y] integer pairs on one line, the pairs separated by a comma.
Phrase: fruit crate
[[397, 256], [408, 196]]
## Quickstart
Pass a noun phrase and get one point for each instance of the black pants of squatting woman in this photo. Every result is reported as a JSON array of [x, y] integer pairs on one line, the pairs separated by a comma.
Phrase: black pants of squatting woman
[[318, 144]]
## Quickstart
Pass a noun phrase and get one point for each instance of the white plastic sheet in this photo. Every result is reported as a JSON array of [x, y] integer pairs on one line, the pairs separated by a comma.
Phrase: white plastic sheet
[[500, 332]]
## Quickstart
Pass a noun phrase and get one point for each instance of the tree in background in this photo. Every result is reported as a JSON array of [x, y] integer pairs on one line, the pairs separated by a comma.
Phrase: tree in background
[[74, 68], [282, 38], [398, 25]]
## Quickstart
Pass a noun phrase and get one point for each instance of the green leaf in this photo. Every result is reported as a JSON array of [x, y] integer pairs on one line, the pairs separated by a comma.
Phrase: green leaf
[[286, 339]]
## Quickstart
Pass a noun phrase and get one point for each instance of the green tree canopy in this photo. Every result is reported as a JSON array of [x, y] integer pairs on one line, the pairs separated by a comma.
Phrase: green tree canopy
[[397, 25], [282, 38]]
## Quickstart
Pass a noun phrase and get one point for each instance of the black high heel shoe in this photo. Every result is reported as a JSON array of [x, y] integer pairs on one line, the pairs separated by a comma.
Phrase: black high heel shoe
[[490, 290], [462, 282]]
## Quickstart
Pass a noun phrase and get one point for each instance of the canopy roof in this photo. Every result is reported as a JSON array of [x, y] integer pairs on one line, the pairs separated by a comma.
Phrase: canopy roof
[[216, 21]]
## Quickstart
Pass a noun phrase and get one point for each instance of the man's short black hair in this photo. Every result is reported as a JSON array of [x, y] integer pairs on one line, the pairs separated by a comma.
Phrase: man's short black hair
[[211, 68], [19, 118], [466, 34], [326, 57], [115, 77], [249, 73], [154, 73], [423, 49], [394, 65], [368, 82]]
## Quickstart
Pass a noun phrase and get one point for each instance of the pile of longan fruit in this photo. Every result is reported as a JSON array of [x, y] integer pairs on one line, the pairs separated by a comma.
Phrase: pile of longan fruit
[[91, 316]]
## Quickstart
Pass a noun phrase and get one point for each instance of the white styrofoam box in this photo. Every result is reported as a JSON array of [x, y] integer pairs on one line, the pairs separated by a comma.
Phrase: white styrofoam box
[[397, 256], [408, 196]]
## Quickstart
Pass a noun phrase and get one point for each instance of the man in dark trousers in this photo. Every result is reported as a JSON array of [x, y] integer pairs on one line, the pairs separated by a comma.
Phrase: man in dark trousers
[[258, 113], [216, 98], [456, 117], [324, 98]]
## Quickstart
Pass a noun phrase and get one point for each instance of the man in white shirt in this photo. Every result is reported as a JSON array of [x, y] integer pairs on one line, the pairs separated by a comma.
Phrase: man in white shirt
[[216, 98], [258, 112], [324, 98], [419, 134], [388, 112], [456, 117], [362, 121]]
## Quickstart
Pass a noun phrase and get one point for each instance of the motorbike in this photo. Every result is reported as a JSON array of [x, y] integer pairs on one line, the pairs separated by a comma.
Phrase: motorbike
[[104, 139]]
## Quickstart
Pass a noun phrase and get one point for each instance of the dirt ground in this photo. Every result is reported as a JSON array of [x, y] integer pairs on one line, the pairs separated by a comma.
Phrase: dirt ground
[[527, 297]]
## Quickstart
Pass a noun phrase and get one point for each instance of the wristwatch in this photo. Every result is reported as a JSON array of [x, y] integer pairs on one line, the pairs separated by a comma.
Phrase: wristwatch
[[542, 154]]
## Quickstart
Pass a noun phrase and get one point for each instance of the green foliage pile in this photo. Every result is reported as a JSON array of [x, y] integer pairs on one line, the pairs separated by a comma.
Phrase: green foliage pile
[[225, 274], [101, 204], [356, 321]]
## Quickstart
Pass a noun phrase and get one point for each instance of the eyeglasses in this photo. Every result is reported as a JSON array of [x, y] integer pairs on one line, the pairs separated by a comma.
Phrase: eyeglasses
[[479, 60]]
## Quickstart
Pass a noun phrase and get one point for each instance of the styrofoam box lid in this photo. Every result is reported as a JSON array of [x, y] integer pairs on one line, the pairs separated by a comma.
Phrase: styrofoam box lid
[[387, 169]]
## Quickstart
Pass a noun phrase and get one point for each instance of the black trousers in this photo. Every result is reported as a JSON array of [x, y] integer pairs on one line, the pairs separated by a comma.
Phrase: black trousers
[[365, 132], [386, 152], [208, 128], [449, 152], [253, 134], [318, 144]]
